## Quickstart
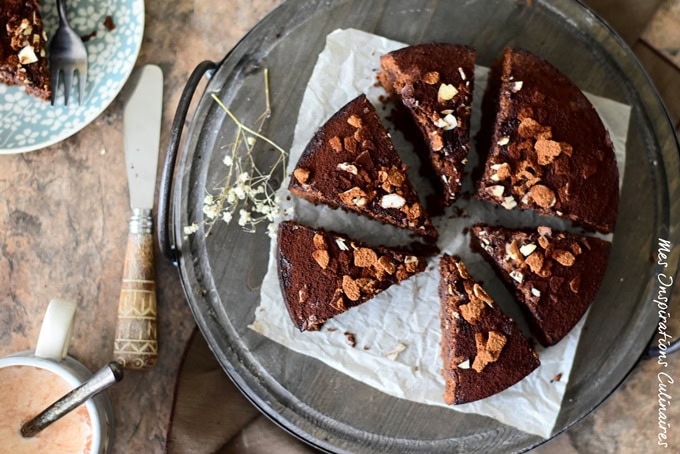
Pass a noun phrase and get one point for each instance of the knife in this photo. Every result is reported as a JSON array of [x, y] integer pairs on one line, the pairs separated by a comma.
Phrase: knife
[[136, 345]]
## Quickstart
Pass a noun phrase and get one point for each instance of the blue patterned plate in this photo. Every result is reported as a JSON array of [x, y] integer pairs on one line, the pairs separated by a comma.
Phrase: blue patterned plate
[[27, 123]]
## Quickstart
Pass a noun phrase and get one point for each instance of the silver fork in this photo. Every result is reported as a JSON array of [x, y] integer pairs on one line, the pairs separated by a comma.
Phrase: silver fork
[[67, 55]]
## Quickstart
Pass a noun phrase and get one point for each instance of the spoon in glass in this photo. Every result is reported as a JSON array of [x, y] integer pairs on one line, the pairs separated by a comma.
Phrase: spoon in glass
[[102, 379]]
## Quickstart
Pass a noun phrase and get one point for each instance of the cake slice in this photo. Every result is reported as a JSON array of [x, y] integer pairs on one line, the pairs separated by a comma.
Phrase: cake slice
[[545, 145], [483, 350], [435, 82], [350, 163], [22, 47], [323, 274], [554, 275]]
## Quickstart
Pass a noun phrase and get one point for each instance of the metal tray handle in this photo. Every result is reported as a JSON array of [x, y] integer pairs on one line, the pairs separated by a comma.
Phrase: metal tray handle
[[653, 350], [165, 240]]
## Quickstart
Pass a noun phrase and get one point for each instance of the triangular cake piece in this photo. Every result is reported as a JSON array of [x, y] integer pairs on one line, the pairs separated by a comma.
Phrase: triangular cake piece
[[554, 275], [323, 274], [546, 147], [435, 83], [350, 163], [483, 350], [22, 48]]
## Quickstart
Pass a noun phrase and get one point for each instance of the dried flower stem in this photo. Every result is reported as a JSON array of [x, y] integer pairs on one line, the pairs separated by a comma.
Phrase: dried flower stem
[[246, 188]]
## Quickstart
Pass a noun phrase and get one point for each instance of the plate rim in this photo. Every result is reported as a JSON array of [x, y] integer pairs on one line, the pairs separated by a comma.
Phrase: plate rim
[[104, 105]]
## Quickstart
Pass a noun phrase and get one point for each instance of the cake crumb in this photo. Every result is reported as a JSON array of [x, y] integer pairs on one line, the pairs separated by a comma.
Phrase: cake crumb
[[558, 377], [109, 24], [350, 339], [89, 36]]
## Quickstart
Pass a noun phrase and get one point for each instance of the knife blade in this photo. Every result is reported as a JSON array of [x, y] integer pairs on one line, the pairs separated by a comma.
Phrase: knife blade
[[136, 345]]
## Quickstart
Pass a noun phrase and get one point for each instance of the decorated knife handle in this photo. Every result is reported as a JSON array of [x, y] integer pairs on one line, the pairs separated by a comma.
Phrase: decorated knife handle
[[136, 346]]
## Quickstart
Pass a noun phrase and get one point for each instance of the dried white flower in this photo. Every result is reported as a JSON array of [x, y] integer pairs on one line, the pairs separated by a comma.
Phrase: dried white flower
[[243, 217], [189, 229], [247, 188]]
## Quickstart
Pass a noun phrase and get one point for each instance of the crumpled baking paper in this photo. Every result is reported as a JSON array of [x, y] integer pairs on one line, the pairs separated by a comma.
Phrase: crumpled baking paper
[[398, 332]]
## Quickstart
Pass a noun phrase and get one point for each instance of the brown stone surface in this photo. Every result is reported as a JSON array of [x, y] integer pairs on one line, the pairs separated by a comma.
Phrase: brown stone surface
[[628, 17], [663, 32]]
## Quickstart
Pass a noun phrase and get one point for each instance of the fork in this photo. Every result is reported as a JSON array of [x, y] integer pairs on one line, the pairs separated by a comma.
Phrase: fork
[[67, 55]]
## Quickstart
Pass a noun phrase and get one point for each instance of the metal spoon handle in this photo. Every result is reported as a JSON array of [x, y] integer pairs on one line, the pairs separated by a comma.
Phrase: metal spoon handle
[[102, 379]]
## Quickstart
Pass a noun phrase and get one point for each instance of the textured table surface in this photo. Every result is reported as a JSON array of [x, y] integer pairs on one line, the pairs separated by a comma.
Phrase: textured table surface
[[63, 224]]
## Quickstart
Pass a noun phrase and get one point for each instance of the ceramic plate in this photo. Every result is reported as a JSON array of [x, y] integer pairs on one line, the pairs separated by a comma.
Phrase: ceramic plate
[[27, 123]]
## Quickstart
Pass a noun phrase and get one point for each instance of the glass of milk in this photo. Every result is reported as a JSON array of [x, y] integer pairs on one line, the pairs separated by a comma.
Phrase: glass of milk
[[32, 380]]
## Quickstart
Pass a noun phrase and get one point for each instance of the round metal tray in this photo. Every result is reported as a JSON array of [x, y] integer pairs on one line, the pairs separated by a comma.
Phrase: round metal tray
[[221, 273]]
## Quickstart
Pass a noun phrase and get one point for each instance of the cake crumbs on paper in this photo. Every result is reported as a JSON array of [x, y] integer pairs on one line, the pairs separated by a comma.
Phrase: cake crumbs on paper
[[394, 354], [350, 339], [109, 23], [331, 330], [366, 347], [558, 377]]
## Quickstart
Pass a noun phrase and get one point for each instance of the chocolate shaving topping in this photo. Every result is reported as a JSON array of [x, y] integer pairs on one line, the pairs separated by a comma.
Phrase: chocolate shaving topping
[[335, 144], [351, 288], [472, 311], [365, 257], [547, 151], [564, 258], [535, 262], [385, 264], [542, 196], [575, 284], [302, 175], [319, 241], [489, 350], [321, 257]]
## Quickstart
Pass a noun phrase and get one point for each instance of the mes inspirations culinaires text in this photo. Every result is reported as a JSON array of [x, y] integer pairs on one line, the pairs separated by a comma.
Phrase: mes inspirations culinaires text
[[663, 302]]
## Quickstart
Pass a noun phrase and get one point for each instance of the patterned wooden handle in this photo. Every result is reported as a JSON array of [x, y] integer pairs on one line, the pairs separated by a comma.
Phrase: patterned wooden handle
[[136, 346]]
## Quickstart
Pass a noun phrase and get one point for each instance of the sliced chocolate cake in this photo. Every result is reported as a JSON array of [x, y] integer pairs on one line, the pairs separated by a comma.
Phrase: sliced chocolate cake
[[554, 275], [483, 350], [435, 83], [546, 147], [22, 47], [323, 274], [350, 163]]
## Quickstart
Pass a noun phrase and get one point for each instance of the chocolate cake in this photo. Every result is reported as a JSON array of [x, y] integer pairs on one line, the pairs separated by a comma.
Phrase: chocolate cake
[[323, 274], [546, 146], [483, 350], [350, 163], [554, 275], [435, 82], [22, 47]]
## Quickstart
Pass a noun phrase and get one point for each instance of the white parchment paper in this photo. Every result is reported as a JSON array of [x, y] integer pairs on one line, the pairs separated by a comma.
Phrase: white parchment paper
[[405, 318]]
